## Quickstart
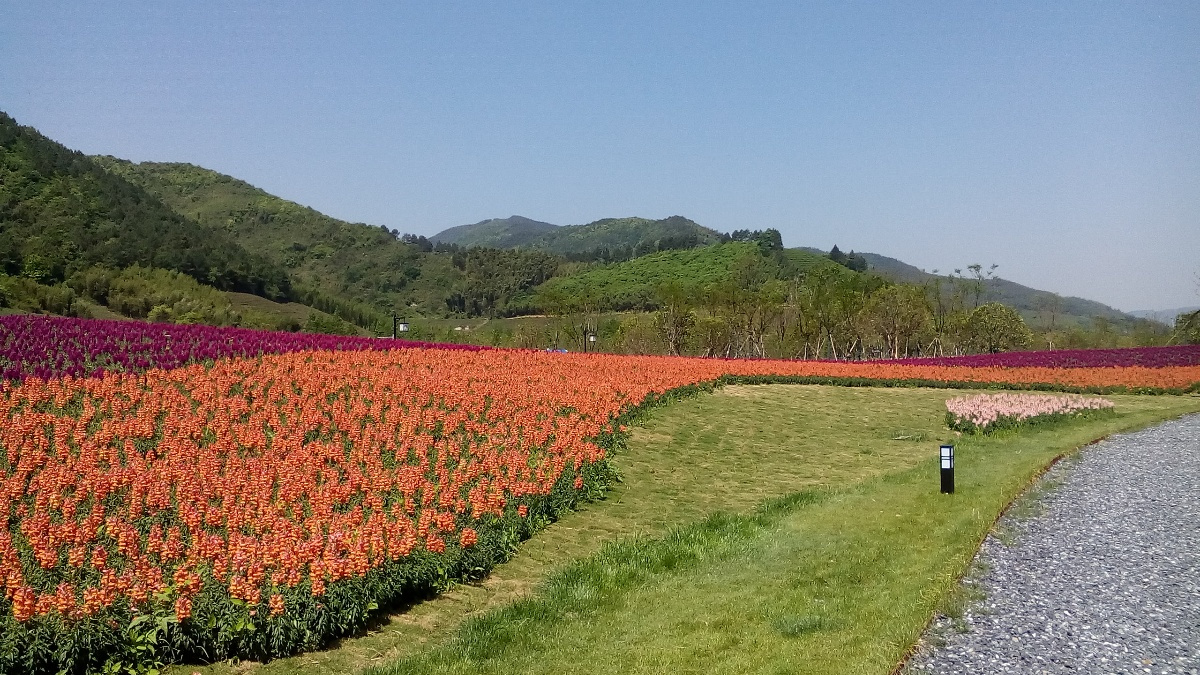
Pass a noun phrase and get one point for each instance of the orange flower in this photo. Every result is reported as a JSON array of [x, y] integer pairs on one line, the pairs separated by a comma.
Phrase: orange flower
[[468, 537], [321, 466]]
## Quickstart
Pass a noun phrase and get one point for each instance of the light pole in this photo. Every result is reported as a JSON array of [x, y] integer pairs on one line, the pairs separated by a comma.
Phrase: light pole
[[947, 457], [398, 326]]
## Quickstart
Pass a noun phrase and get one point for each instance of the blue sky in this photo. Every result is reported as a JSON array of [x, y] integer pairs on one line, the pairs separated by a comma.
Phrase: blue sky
[[1060, 141]]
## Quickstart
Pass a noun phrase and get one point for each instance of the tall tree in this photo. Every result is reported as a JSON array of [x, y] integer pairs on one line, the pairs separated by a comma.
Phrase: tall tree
[[675, 317], [993, 327], [898, 313]]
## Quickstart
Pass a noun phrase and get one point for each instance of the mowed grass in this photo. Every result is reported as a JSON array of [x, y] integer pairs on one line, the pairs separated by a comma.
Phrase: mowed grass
[[829, 551]]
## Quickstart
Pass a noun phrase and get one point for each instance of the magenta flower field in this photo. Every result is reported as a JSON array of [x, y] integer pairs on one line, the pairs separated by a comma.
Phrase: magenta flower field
[[1147, 357], [48, 347]]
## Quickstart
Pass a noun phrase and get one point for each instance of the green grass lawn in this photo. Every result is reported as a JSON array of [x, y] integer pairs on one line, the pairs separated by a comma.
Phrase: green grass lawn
[[841, 577]]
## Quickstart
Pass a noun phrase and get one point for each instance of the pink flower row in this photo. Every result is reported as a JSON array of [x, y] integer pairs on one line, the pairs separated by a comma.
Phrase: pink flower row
[[984, 410]]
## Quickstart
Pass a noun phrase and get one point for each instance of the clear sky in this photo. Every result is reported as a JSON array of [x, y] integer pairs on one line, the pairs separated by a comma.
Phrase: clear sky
[[1059, 140]]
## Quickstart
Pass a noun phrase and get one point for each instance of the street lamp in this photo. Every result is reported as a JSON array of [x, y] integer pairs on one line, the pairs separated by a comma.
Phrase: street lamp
[[398, 326], [591, 339], [947, 457]]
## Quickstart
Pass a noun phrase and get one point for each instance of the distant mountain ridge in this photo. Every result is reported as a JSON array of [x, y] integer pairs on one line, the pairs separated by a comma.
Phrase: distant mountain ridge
[[508, 232], [62, 211], [1034, 304], [636, 236], [1166, 316]]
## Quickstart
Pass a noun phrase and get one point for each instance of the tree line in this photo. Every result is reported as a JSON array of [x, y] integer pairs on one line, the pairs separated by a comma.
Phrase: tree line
[[827, 312], [765, 309]]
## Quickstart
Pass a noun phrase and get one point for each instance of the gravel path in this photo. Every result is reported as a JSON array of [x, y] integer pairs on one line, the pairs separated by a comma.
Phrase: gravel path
[[1105, 579]]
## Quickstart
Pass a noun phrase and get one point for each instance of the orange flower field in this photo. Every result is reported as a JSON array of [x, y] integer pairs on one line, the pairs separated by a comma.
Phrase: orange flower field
[[264, 505]]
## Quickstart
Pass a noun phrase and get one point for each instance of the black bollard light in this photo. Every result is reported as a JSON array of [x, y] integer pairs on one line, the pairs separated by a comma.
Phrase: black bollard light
[[947, 469]]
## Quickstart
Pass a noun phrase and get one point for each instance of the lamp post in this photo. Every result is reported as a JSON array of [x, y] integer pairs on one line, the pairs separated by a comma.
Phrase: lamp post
[[947, 460], [591, 337], [398, 326]]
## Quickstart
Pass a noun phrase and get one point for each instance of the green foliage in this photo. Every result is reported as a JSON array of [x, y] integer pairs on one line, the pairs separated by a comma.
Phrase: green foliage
[[508, 232], [361, 273], [631, 285], [61, 212], [850, 260], [26, 295], [494, 278], [331, 325], [155, 294], [351, 311], [675, 317], [1187, 329], [607, 240], [993, 327], [767, 240], [899, 313]]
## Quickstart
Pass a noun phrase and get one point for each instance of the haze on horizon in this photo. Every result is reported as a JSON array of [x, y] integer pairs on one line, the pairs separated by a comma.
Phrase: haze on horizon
[[1060, 142]]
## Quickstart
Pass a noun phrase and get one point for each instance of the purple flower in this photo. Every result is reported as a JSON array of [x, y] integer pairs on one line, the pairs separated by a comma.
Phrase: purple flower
[[49, 347]]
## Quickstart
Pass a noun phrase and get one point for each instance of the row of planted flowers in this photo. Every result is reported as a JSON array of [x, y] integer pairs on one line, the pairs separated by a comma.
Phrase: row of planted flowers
[[265, 505], [47, 347], [1147, 357], [985, 413]]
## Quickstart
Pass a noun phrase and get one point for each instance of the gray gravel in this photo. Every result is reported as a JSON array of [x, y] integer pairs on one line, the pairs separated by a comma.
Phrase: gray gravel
[[1103, 578]]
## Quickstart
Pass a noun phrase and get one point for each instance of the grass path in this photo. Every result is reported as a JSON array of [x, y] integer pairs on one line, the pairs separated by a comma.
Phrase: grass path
[[852, 576]]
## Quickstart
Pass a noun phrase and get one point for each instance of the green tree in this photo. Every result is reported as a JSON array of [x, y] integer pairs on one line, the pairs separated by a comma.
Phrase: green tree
[[898, 313], [835, 299], [331, 325], [577, 308], [993, 327], [1187, 329], [637, 334], [980, 279], [675, 317]]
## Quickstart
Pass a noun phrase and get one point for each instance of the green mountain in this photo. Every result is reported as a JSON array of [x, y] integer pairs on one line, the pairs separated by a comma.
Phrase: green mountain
[[108, 231], [511, 232], [359, 272], [351, 269], [607, 239], [61, 213]]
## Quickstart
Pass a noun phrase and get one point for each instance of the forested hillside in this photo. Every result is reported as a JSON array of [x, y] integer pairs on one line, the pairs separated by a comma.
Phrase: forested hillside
[[176, 242], [360, 272], [61, 212], [1054, 310], [606, 240], [633, 284], [510, 232], [353, 269]]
